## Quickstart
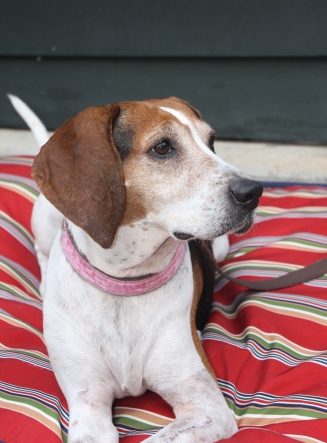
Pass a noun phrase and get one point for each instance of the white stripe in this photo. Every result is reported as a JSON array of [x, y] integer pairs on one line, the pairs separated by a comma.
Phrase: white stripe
[[304, 438], [187, 122], [274, 416]]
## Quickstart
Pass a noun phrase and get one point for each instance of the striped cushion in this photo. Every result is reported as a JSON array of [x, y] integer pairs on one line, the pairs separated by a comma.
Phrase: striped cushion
[[269, 350]]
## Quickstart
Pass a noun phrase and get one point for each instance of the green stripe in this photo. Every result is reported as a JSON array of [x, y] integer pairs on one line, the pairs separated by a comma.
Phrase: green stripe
[[295, 306], [16, 293], [263, 410], [20, 276], [134, 423], [265, 344], [279, 304], [309, 243], [242, 251], [36, 405], [25, 352], [260, 266], [306, 244]]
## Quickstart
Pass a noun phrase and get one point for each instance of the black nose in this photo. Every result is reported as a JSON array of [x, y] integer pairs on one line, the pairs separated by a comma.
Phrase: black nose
[[246, 192]]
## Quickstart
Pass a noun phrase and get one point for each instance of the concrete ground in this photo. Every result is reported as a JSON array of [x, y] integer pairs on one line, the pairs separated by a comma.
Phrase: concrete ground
[[263, 161]]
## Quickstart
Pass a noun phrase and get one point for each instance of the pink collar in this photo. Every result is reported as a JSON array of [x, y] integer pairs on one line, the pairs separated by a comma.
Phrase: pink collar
[[117, 286]]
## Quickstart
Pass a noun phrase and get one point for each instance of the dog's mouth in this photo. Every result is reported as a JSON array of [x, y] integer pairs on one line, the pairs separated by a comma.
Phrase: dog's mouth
[[245, 226], [229, 228], [183, 235]]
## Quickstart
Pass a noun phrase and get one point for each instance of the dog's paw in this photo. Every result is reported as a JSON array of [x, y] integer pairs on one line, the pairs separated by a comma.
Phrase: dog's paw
[[196, 429], [82, 433], [84, 439]]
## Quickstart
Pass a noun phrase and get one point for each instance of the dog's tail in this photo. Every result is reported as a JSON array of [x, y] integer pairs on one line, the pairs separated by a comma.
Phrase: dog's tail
[[31, 119]]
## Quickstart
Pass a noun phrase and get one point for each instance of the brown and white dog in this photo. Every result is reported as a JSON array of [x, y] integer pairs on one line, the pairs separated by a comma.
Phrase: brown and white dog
[[134, 181]]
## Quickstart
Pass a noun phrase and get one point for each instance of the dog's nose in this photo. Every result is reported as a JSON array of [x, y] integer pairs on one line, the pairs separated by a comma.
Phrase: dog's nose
[[246, 192]]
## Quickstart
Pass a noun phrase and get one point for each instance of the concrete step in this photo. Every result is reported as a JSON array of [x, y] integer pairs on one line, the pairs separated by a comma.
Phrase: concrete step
[[275, 162]]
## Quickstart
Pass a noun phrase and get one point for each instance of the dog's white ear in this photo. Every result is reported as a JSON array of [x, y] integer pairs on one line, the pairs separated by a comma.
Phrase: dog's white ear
[[80, 172]]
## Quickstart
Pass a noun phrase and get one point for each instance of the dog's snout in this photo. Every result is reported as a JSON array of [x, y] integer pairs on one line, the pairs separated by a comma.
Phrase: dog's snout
[[246, 192]]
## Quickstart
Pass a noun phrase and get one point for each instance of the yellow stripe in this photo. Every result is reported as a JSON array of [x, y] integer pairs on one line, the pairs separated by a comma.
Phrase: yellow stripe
[[150, 418], [264, 420]]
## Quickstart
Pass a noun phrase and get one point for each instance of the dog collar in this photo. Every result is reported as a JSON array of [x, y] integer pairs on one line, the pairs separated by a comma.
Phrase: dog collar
[[113, 285]]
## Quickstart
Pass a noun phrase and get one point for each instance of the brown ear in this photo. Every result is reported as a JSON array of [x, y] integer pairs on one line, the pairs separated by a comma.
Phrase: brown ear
[[80, 172]]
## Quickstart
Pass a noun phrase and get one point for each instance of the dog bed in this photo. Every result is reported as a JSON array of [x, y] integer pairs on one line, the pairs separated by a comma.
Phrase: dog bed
[[268, 350]]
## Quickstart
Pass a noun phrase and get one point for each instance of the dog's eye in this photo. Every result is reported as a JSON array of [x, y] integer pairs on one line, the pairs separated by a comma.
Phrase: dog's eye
[[211, 142], [162, 149]]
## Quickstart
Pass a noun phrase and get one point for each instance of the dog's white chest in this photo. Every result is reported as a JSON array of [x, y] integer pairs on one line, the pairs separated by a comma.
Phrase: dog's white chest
[[124, 341], [116, 334]]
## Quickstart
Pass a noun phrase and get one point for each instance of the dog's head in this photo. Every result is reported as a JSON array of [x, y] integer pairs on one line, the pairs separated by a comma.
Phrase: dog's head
[[153, 160]]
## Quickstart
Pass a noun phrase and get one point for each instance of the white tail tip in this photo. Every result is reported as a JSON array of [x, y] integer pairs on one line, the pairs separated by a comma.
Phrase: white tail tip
[[31, 119]]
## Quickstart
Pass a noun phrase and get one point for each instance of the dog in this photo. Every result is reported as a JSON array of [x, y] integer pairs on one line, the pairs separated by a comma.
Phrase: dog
[[126, 190]]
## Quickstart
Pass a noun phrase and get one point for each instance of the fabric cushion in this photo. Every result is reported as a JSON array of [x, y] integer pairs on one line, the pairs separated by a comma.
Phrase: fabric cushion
[[269, 350]]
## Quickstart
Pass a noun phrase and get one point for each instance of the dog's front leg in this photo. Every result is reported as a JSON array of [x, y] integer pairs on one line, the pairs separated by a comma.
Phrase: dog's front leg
[[90, 418], [89, 389], [202, 414]]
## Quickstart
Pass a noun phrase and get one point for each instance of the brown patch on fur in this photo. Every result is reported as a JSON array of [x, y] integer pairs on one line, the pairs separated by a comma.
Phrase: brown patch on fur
[[146, 120], [198, 286], [134, 208], [80, 173]]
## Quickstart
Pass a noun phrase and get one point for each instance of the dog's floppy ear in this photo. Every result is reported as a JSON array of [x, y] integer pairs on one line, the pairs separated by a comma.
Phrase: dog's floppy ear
[[80, 172]]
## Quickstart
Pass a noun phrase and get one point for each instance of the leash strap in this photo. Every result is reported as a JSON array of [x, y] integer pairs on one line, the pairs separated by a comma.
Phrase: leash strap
[[307, 273]]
